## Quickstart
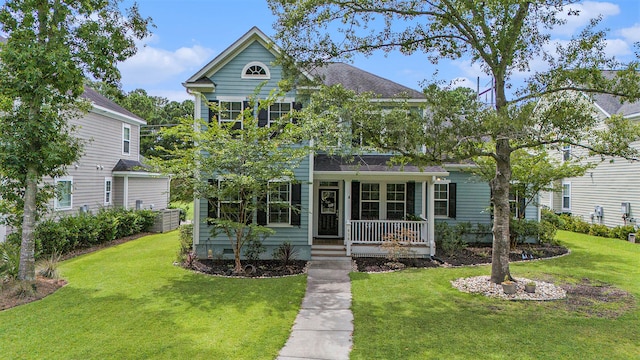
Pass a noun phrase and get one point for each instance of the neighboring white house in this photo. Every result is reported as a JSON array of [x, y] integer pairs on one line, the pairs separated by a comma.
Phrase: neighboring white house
[[110, 172], [609, 194]]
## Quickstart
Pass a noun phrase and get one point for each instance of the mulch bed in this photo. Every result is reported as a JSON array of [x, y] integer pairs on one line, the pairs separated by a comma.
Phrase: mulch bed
[[471, 255], [256, 268]]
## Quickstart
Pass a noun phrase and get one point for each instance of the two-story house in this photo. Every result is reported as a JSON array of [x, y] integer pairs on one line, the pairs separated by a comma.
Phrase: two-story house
[[607, 194], [110, 172], [349, 203]]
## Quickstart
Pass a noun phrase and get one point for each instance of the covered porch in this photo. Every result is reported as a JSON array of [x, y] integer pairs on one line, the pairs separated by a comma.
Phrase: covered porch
[[365, 202]]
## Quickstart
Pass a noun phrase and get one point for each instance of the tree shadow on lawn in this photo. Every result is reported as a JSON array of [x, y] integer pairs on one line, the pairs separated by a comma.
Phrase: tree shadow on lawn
[[436, 321], [164, 322]]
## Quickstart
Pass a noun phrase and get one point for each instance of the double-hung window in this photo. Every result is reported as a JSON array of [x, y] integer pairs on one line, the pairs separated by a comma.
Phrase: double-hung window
[[396, 201], [566, 152], [370, 201], [279, 203], [277, 111], [441, 199], [231, 112], [108, 184], [566, 196], [64, 193], [126, 139]]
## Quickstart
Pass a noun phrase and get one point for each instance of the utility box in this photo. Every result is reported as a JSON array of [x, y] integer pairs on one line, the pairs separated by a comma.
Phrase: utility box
[[166, 220], [632, 237]]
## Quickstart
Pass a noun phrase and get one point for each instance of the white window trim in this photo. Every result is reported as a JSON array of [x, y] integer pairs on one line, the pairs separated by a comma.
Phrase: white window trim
[[125, 140], [440, 200], [379, 201], [286, 101], [244, 75], [229, 100], [110, 191], [403, 202], [57, 206], [567, 196], [278, 224]]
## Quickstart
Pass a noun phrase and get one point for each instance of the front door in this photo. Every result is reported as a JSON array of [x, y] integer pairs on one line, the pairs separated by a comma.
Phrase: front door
[[328, 220]]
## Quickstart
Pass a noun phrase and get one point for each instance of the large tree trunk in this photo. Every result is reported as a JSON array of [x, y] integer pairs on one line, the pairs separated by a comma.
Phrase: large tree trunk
[[502, 213], [27, 270]]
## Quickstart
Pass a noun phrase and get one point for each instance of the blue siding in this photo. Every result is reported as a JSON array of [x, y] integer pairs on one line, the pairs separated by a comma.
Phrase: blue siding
[[229, 82], [472, 201]]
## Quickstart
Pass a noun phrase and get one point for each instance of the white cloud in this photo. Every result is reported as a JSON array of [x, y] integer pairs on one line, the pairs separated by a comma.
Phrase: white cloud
[[617, 48], [153, 65], [631, 34], [586, 11]]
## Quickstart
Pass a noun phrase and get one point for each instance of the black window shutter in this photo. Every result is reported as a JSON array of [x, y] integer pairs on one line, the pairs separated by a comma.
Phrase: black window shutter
[[411, 198], [212, 208], [523, 206], [263, 117], [297, 107], [452, 200], [355, 200], [296, 201], [212, 113], [262, 211]]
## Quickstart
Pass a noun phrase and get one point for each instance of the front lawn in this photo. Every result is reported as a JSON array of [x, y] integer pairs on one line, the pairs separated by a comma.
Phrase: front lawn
[[130, 302], [417, 314]]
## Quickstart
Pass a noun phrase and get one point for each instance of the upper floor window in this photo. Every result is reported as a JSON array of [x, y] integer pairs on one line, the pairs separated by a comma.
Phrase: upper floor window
[[64, 193], [566, 152], [231, 112], [256, 70], [126, 139]]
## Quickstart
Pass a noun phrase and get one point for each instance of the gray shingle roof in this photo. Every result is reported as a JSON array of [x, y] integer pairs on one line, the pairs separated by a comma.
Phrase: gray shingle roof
[[612, 105], [366, 163], [100, 100], [130, 165], [360, 81]]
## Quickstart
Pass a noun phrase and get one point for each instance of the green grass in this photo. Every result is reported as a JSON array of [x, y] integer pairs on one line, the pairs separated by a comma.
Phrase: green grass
[[130, 302], [417, 314]]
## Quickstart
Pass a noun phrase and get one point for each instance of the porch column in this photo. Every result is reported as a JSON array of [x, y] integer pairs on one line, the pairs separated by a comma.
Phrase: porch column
[[430, 215], [347, 210], [125, 195]]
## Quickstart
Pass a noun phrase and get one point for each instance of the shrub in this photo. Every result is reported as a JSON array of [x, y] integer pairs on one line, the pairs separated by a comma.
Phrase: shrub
[[49, 266], [186, 242], [622, 232], [397, 244], [552, 218], [520, 230], [599, 230], [547, 234], [449, 238], [253, 249], [9, 260], [285, 253]]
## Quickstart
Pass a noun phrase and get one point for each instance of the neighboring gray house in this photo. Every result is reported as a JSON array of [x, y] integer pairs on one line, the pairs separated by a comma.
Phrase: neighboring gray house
[[110, 172], [610, 193]]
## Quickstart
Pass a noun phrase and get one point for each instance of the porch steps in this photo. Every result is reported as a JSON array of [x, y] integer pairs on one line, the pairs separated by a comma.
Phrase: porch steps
[[329, 252]]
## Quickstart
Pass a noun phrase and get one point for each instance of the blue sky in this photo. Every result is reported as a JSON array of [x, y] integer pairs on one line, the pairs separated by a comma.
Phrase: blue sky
[[189, 33]]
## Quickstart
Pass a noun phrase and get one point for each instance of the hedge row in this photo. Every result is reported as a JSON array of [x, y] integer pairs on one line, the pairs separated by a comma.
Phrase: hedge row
[[576, 224], [85, 230]]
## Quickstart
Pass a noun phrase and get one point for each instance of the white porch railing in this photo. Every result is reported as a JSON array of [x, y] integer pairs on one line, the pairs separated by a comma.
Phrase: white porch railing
[[375, 232]]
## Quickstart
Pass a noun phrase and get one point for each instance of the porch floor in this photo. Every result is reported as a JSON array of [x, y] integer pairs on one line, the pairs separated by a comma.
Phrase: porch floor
[[328, 241]]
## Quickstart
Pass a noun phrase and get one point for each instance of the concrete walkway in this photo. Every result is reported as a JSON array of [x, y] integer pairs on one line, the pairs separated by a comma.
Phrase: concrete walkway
[[324, 326]]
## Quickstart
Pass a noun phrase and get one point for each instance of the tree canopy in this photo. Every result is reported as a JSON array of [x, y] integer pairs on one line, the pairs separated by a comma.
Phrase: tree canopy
[[552, 107], [52, 47]]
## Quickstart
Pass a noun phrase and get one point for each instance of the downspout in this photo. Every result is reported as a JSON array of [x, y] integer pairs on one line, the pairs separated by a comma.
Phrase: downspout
[[125, 195]]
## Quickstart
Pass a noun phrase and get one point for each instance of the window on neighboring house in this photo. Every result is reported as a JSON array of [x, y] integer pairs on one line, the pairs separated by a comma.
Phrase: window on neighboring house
[[566, 196], [396, 201], [369, 201], [64, 193], [255, 70], [517, 204], [441, 199], [126, 139], [566, 152], [279, 203], [231, 112], [108, 183]]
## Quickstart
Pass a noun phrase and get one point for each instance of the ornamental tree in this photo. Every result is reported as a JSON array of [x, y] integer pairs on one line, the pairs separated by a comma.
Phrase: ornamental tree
[[551, 107], [52, 47], [235, 165]]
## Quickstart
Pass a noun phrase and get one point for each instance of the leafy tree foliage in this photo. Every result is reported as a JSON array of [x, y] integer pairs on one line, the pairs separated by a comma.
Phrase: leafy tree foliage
[[503, 36], [234, 168], [52, 47]]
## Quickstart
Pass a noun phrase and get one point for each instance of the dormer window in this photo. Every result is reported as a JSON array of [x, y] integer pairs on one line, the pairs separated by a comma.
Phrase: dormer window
[[256, 70]]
